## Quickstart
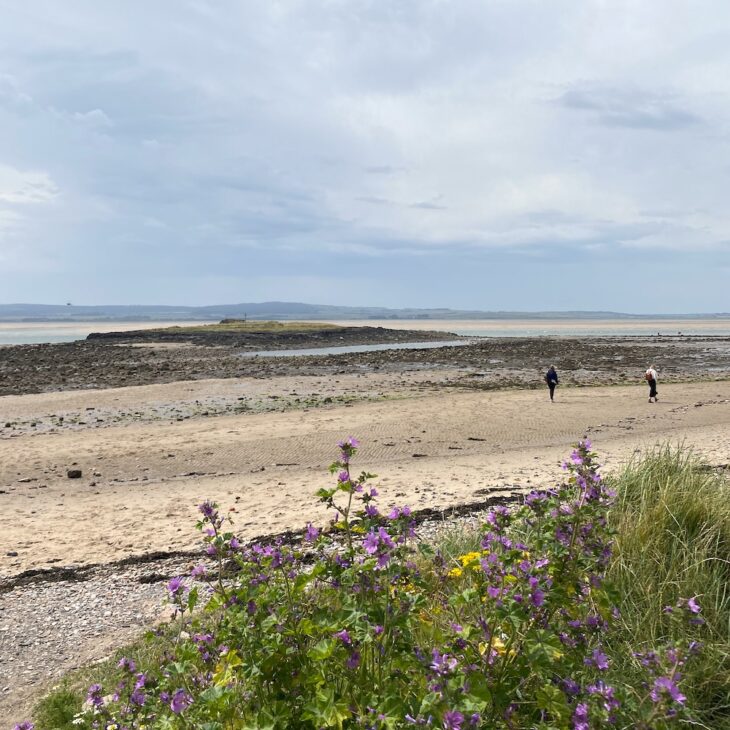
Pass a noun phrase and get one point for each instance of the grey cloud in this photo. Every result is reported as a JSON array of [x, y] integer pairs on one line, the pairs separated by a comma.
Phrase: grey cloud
[[373, 200], [630, 108], [384, 169], [426, 205]]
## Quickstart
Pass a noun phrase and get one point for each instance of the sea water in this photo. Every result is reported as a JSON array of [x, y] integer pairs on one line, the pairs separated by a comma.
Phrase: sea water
[[18, 333]]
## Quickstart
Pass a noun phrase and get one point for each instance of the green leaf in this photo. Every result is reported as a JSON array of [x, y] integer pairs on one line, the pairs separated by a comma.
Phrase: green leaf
[[322, 650], [552, 700]]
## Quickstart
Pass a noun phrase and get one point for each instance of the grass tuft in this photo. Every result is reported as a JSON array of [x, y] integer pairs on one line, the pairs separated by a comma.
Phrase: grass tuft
[[672, 522]]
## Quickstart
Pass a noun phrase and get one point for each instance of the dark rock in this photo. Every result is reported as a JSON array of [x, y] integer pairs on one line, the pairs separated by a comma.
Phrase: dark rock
[[74, 474]]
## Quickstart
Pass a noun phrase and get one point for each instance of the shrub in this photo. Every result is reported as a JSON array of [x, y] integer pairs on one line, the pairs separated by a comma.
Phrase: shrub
[[362, 626]]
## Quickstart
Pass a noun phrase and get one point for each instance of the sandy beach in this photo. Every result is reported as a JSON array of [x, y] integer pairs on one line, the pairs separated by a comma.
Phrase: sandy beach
[[155, 430], [144, 474]]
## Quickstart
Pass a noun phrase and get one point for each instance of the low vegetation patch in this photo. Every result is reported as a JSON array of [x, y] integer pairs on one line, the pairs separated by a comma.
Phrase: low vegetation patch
[[528, 624], [249, 326]]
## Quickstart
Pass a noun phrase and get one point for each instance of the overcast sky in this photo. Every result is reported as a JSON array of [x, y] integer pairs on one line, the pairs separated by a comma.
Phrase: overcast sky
[[490, 154]]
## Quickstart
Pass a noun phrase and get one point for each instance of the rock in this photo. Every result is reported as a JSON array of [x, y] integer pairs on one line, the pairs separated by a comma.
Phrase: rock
[[12, 554], [74, 474]]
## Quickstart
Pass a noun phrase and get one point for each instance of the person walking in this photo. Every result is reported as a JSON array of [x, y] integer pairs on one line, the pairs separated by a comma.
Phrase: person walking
[[551, 378], [650, 376]]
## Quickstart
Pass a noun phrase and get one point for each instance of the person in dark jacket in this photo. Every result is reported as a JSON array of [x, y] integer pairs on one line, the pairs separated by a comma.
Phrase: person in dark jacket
[[551, 378]]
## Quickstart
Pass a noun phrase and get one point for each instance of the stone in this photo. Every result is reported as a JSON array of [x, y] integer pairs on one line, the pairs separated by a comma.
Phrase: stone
[[74, 473]]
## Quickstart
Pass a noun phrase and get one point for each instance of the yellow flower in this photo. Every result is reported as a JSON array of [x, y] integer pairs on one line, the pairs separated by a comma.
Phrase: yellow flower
[[455, 572], [469, 558], [498, 645]]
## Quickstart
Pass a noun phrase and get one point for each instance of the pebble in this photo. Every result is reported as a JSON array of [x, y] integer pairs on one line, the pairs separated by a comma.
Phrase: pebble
[[51, 627]]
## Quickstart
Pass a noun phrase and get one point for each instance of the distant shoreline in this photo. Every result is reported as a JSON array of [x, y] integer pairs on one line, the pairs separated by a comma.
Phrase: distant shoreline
[[456, 317], [55, 332]]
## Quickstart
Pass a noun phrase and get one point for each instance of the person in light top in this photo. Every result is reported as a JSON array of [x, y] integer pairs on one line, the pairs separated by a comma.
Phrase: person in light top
[[650, 376]]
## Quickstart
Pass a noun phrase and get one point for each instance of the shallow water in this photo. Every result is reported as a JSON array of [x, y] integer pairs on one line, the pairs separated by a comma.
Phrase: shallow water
[[18, 333], [558, 327], [33, 333], [353, 348]]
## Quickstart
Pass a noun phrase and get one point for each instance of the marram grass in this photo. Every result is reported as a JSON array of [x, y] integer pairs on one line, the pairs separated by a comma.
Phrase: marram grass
[[672, 522]]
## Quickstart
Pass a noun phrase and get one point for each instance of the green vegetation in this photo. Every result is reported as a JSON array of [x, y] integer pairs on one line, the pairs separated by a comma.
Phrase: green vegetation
[[672, 522], [251, 327], [578, 610]]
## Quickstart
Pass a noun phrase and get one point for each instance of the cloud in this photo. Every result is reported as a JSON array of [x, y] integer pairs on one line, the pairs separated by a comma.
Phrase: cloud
[[630, 108], [19, 187], [222, 135], [94, 118]]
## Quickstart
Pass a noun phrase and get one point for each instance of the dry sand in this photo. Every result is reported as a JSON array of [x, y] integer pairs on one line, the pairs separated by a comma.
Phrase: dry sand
[[144, 474]]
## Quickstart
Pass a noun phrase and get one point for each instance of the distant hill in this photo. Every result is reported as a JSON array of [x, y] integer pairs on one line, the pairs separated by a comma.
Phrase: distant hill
[[287, 310]]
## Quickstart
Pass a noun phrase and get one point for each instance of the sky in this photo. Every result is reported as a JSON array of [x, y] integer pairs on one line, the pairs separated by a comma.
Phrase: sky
[[472, 154]]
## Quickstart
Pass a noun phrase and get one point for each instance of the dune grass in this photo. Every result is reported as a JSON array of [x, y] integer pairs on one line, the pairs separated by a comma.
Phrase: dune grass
[[56, 711], [672, 522]]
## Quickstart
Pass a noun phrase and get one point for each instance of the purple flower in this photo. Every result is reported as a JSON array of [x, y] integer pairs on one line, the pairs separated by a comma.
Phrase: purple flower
[[344, 637], [208, 510], [312, 533], [394, 514], [475, 719], [353, 661], [442, 663], [371, 510], [180, 701], [599, 659], [176, 587], [378, 629], [538, 598], [25, 725], [693, 606], [371, 542], [665, 685], [94, 697], [349, 443], [343, 477], [580, 717], [385, 538], [127, 664], [199, 571], [453, 720], [137, 697]]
